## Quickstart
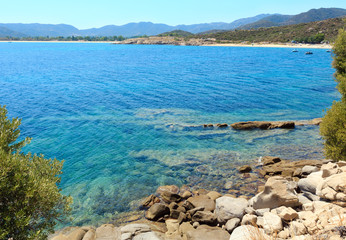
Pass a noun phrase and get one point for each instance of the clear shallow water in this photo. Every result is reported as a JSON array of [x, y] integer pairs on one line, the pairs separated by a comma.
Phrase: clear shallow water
[[123, 117]]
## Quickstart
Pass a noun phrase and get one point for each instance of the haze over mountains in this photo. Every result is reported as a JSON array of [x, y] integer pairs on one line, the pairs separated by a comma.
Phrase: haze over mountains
[[148, 28]]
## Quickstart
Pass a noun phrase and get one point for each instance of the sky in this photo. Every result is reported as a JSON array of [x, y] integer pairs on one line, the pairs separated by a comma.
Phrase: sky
[[96, 13]]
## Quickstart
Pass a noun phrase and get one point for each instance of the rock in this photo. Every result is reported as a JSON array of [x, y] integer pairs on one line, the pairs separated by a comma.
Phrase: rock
[[286, 213], [107, 232], [306, 170], [249, 210], [202, 201], [77, 234], [172, 227], [330, 169], [260, 212], [297, 228], [150, 200], [249, 219], [333, 187], [284, 234], [262, 125], [245, 169], [60, 237], [228, 185], [168, 188], [156, 211], [222, 125], [228, 207], [214, 195], [267, 160], [134, 229], [246, 232], [187, 205], [303, 199], [195, 224], [271, 223], [232, 224], [204, 217], [89, 235], [186, 195], [310, 183], [185, 227], [169, 197], [277, 192], [194, 210], [204, 232], [146, 236]]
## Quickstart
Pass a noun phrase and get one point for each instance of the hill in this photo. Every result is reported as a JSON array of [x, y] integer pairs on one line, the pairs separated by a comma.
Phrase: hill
[[5, 32], [127, 30], [176, 33], [312, 15], [329, 28]]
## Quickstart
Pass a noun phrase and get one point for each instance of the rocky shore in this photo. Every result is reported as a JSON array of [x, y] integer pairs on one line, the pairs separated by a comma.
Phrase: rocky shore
[[300, 200]]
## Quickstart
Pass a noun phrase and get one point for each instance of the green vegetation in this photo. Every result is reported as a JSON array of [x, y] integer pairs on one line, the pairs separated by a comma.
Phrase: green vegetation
[[309, 32], [333, 126], [176, 33], [30, 199], [73, 38], [318, 38]]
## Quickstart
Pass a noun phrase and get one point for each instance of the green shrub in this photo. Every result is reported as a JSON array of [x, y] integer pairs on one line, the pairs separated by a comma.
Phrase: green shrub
[[30, 199], [333, 126]]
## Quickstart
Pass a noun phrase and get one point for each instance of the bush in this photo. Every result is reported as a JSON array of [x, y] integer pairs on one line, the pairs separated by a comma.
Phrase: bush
[[30, 199], [333, 126]]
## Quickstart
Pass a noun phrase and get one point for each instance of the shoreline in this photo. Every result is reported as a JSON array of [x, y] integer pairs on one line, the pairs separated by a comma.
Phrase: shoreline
[[266, 45]]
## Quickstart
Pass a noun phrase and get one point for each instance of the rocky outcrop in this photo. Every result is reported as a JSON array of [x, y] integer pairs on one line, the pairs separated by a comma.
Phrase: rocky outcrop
[[277, 192], [262, 125]]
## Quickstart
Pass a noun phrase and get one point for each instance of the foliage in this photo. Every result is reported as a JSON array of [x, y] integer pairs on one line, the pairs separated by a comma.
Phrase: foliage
[[318, 38], [281, 34], [176, 33], [333, 126], [30, 199]]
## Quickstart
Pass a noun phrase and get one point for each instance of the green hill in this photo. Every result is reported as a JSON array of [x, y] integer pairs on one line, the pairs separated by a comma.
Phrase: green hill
[[176, 33], [312, 15], [329, 28]]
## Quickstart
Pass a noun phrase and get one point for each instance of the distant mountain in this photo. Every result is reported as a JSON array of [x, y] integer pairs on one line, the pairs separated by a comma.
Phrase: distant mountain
[[148, 28], [312, 15], [5, 32], [127, 30], [36, 29]]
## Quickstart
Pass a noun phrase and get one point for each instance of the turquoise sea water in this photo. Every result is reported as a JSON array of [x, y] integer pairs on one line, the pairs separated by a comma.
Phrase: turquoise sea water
[[125, 118]]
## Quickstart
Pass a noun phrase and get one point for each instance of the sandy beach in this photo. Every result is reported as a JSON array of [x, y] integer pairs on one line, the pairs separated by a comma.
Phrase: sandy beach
[[272, 45]]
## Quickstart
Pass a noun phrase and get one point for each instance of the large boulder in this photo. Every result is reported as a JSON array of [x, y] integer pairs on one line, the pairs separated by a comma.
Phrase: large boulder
[[156, 211], [229, 207], [333, 187], [277, 192], [204, 232], [107, 232], [203, 201], [310, 183]]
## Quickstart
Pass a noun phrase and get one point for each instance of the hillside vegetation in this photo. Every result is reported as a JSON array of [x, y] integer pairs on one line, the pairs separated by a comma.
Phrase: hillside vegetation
[[282, 34], [312, 15]]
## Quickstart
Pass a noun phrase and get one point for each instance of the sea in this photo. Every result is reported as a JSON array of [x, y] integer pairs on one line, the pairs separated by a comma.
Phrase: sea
[[128, 118]]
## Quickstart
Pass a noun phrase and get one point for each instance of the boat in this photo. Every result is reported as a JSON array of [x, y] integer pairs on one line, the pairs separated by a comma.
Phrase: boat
[[328, 51], [308, 53], [294, 50]]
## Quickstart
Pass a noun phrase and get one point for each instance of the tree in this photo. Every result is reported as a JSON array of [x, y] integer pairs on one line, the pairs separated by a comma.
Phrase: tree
[[30, 198], [333, 126]]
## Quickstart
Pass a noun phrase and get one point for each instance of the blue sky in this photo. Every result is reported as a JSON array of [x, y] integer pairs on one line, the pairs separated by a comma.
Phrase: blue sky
[[96, 13]]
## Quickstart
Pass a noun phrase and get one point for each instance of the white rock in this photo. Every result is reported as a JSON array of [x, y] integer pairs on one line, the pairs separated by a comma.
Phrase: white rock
[[286, 213], [277, 192], [260, 212], [310, 183], [232, 224], [147, 236], [307, 169], [229, 207], [272, 223], [297, 228], [247, 232], [332, 185]]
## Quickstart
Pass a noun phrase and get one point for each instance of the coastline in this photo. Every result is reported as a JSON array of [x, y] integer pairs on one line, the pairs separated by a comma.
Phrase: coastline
[[264, 45]]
